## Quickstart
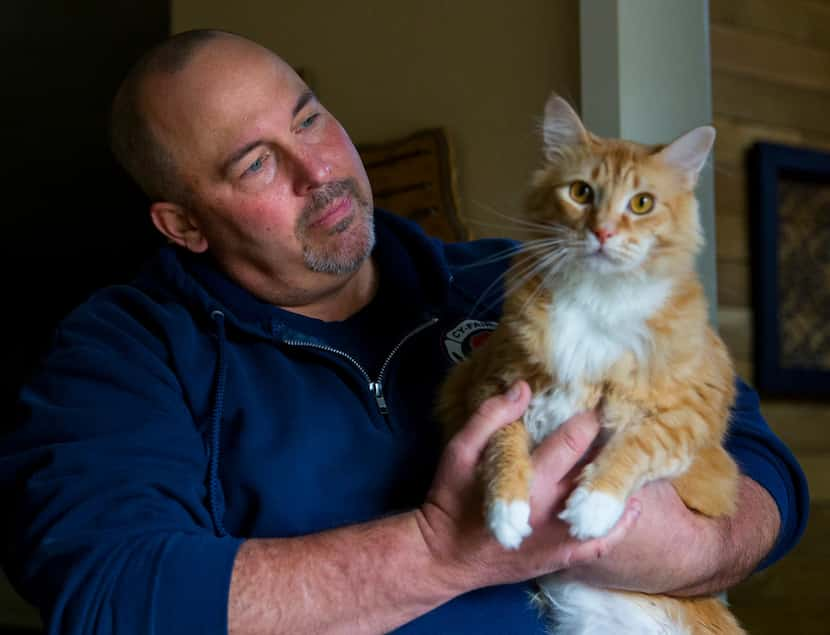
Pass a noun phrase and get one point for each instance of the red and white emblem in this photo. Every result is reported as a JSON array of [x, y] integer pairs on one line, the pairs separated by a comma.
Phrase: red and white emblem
[[467, 336]]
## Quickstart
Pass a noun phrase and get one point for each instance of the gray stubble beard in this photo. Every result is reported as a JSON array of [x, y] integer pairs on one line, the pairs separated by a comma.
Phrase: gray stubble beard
[[339, 261]]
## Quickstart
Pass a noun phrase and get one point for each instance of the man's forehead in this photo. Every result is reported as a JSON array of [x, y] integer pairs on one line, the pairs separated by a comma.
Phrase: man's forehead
[[225, 86], [227, 66]]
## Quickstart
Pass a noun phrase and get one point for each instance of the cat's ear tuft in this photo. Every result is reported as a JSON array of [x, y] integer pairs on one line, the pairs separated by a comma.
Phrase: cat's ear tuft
[[688, 153], [562, 127]]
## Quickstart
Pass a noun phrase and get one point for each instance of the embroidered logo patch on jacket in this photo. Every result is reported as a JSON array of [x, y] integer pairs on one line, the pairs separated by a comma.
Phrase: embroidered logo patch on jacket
[[465, 337]]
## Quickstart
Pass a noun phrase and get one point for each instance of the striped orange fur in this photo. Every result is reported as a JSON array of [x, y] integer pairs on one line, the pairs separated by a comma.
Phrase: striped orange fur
[[604, 310]]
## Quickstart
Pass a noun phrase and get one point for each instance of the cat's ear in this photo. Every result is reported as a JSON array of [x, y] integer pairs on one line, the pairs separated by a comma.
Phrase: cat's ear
[[562, 127], [688, 153]]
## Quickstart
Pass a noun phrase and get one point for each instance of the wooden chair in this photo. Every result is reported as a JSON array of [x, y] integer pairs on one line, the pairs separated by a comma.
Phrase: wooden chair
[[413, 176]]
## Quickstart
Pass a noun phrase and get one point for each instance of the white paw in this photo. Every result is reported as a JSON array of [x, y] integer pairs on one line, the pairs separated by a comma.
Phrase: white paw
[[509, 521], [591, 514]]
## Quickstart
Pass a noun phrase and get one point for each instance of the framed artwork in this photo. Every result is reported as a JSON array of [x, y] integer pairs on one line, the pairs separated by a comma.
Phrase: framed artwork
[[790, 219]]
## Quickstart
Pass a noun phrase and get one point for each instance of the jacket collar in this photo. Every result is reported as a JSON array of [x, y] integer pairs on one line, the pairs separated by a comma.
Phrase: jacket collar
[[401, 246]]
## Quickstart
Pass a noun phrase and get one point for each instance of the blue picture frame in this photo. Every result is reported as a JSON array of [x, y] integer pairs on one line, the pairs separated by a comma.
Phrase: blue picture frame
[[773, 167]]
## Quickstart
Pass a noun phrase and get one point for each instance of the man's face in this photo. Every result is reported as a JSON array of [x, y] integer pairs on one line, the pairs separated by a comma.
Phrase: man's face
[[277, 189]]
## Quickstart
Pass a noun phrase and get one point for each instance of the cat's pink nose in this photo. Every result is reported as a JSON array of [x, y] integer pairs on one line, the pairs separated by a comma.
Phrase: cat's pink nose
[[603, 234]]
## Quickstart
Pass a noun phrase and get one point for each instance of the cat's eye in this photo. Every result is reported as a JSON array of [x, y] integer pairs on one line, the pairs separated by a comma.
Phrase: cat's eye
[[641, 203], [581, 192]]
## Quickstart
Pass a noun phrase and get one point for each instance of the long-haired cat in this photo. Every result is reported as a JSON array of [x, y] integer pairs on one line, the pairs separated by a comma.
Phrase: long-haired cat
[[605, 311]]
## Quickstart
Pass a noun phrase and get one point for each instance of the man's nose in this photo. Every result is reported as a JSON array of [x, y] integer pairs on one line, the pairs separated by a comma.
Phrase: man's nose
[[311, 170]]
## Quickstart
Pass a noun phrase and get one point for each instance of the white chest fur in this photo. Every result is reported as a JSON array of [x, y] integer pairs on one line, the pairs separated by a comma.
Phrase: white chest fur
[[593, 323]]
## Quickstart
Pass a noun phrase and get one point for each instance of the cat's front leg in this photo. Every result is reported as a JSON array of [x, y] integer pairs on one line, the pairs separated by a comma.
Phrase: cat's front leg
[[645, 448], [627, 461], [507, 472], [507, 464]]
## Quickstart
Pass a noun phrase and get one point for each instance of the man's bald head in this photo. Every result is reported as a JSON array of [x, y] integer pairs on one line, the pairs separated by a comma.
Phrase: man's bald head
[[134, 143]]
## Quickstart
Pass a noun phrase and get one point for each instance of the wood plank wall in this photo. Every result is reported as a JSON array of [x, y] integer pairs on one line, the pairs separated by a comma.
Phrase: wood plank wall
[[771, 82]]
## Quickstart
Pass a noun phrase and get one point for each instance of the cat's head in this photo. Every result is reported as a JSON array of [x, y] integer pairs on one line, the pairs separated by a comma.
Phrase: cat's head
[[618, 206]]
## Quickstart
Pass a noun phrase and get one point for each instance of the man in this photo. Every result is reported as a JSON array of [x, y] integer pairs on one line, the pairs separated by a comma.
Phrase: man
[[241, 439]]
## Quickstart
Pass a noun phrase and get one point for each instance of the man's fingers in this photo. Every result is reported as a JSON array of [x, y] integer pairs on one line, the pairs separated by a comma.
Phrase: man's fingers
[[493, 414], [564, 448]]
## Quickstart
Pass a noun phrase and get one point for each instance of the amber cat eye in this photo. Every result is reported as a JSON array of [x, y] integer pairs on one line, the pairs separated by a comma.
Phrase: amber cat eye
[[641, 203], [581, 192]]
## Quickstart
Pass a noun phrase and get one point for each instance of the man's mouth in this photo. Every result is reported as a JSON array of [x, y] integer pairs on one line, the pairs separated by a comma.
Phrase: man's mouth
[[333, 214]]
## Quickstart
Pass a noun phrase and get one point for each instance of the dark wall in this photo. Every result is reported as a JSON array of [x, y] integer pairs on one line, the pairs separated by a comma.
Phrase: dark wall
[[71, 220]]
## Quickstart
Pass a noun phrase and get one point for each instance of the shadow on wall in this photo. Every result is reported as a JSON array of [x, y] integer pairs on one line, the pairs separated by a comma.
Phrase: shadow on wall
[[71, 221]]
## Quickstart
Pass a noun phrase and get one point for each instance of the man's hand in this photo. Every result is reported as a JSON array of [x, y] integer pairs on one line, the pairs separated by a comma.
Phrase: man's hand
[[452, 518]]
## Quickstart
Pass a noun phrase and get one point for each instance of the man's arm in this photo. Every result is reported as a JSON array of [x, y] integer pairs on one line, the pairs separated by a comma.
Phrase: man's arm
[[373, 577], [674, 550], [368, 578], [677, 551]]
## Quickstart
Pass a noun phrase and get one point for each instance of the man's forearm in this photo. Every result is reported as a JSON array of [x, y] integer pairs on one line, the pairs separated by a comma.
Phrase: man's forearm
[[743, 539], [365, 578]]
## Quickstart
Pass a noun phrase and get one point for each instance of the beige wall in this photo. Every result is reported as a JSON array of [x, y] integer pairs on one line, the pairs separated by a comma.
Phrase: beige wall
[[480, 68]]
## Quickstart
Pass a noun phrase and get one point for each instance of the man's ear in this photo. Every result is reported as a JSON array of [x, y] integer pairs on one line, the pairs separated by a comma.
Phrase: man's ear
[[175, 222]]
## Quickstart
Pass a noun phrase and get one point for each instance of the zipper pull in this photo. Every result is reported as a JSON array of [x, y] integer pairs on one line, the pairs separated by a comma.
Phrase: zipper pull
[[377, 390]]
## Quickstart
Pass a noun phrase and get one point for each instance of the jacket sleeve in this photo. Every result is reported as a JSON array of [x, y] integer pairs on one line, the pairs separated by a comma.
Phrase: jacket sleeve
[[105, 479], [763, 457]]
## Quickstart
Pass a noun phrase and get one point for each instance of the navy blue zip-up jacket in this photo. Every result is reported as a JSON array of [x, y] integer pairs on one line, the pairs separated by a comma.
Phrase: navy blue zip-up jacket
[[178, 415]]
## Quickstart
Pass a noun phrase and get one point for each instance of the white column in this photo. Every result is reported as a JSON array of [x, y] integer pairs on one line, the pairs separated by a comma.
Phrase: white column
[[646, 76]]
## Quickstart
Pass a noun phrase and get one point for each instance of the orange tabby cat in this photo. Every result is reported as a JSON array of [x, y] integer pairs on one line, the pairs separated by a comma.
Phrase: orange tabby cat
[[606, 311]]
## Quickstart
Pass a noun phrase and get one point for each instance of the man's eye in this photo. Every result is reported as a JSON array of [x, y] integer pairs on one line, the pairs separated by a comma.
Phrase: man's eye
[[309, 121], [257, 165]]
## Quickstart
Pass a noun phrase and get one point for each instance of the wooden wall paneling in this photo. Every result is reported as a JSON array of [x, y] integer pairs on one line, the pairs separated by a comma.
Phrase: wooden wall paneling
[[731, 236], [800, 21], [745, 369], [782, 61], [791, 596], [816, 465], [735, 326], [730, 192], [803, 425], [733, 282], [771, 82], [735, 136], [750, 98]]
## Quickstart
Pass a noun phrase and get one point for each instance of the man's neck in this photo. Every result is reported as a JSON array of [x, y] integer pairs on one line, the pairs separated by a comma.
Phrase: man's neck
[[346, 300]]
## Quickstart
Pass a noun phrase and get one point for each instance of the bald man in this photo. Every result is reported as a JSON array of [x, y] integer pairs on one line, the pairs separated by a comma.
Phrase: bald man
[[242, 440]]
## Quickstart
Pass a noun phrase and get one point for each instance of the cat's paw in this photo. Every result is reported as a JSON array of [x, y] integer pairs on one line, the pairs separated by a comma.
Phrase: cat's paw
[[591, 514], [509, 521]]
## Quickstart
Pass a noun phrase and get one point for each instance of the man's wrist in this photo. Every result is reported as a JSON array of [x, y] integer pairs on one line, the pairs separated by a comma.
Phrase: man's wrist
[[452, 575]]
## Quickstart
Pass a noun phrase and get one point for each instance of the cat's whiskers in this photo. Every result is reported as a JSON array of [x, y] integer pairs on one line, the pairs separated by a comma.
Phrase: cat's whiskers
[[553, 267], [529, 261], [499, 280], [500, 255], [507, 228], [559, 242], [515, 221], [551, 264], [540, 244]]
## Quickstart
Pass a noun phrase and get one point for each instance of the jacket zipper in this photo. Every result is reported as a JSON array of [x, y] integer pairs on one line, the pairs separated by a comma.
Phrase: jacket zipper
[[376, 386]]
